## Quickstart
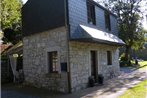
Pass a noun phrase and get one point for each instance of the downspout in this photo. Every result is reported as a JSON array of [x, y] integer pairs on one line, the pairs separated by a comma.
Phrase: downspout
[[68, 37]]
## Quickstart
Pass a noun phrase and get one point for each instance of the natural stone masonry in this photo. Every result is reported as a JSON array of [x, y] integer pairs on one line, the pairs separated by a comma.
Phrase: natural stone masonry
[[37, 46], [35, 51], [36, 67], [81, 64]]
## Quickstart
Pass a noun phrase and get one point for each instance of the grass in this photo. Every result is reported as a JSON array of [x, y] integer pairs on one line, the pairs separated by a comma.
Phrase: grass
[[143, 64], [138, 91]]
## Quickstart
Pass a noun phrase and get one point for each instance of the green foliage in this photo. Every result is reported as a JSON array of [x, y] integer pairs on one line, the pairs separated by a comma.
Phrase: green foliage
[[143, 65], [11, 35], [11, 16], [11, 19], [130, 28], [131, 31], [123, 61], [122, 57], [129, 20]]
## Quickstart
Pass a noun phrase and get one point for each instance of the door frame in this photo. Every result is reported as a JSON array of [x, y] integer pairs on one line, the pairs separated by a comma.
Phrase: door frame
[[95, 61]]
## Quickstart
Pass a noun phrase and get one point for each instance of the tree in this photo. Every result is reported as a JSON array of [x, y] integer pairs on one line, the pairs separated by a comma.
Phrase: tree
[[130, 27], [10, 19], [129, 21]]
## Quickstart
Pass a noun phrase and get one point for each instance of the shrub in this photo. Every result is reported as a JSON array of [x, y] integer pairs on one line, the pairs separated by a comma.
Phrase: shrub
[[123, 61]]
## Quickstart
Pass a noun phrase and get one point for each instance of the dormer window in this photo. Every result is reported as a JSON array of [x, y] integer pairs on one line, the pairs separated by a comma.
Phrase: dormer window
[[91, 13], [107, 21]]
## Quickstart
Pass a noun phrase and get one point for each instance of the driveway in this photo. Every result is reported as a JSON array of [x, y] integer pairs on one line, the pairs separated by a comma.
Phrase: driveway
[[111, 88]]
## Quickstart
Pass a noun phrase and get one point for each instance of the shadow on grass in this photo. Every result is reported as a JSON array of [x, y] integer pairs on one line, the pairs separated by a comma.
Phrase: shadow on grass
[[129, 69], [138, 67]]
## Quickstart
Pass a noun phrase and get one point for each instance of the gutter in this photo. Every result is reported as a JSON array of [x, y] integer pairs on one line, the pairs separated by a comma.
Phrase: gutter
[[68, 39]]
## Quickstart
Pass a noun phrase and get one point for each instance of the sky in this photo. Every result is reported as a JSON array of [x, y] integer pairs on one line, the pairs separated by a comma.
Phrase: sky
[[144, 9], [24, 1], [144, 22]]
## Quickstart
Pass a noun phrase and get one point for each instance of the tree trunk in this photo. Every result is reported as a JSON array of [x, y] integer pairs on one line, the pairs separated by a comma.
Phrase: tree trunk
[[127, 53]]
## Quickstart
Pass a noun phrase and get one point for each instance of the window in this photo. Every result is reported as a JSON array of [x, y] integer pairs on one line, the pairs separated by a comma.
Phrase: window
[[53, 61], [91, 13], [107, 21], [109, 58]]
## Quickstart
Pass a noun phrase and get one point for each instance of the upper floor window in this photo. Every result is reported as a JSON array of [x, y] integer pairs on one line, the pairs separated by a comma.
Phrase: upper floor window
[[107, 21], [53, 61], [91, 13], [109, 58]]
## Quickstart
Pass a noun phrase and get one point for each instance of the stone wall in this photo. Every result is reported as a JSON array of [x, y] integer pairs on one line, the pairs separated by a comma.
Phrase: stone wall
[[36, 63], [80, 62], [35, 59]]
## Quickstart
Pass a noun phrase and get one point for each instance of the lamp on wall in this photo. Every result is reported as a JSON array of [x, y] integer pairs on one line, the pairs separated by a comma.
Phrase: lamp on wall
[[15, 55]]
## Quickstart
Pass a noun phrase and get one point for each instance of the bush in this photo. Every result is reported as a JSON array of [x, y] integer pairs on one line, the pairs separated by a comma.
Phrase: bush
[[122, 57], [123, 61]]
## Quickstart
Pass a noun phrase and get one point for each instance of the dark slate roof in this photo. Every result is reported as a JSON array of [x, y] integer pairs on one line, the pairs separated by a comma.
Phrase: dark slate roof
[[91, 34], [42, 15]]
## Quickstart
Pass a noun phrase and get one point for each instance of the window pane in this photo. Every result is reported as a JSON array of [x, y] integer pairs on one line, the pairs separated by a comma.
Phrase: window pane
[[91, 13], [53, 61], [107, 20]]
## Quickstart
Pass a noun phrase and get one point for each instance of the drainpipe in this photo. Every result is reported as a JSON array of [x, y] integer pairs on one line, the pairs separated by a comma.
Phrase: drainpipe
[[68, 37]]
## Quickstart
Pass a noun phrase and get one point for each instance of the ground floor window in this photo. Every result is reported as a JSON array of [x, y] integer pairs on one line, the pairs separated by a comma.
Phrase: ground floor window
[[109, 58], [53, 61]]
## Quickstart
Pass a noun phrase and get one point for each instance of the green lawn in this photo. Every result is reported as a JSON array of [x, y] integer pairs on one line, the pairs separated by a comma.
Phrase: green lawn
[[138, 91], [143, 65]]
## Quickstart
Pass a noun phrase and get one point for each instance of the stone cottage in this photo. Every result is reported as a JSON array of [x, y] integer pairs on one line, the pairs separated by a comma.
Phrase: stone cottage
[[67, 41]]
